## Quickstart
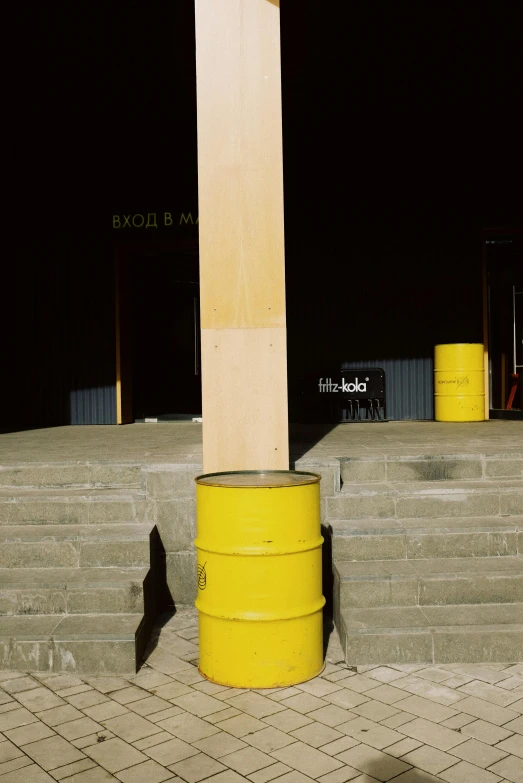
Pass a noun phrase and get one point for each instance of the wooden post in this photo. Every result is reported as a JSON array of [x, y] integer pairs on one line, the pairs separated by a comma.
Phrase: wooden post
[[242, 275]]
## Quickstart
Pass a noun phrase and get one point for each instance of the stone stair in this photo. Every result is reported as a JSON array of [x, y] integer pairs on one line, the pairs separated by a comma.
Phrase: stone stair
[[428, 558], [80, 568]]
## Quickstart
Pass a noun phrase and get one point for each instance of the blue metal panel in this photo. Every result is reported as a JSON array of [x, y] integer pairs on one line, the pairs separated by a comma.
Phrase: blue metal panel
[[409, 385]]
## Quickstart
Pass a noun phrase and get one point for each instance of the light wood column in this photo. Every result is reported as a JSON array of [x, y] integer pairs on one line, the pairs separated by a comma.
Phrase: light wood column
[[242, 275]]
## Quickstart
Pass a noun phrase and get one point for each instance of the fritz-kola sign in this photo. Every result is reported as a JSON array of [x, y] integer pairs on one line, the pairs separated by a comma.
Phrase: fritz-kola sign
[[360, 384], [327, 385]]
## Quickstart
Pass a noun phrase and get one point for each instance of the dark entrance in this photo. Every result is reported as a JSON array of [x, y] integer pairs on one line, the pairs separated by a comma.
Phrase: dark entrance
[[160, 333], [504, 265]]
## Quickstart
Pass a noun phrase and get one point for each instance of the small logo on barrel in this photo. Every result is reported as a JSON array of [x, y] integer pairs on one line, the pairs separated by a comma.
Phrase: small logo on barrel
[[202, 577]]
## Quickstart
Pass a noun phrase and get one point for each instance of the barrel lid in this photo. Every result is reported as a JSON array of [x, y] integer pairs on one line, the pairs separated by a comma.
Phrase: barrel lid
[[258, 478]]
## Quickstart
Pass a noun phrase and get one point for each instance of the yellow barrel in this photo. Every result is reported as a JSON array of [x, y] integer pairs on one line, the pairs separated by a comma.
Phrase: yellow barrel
[[459, 391], [259, 577]]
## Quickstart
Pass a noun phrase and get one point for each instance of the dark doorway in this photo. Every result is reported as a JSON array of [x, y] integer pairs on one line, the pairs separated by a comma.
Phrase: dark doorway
[[504, 264], [160, 330]]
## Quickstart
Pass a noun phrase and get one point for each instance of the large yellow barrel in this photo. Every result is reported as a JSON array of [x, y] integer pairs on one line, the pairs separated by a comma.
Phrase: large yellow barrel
[[259, 577], [459, 391]]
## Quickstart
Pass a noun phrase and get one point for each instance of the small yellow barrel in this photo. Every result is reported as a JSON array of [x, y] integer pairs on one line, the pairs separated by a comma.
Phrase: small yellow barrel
[[459, 391], [259, 577]]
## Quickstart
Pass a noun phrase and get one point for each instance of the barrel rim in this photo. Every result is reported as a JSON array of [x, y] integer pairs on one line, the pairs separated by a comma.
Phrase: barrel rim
[[312, 478]]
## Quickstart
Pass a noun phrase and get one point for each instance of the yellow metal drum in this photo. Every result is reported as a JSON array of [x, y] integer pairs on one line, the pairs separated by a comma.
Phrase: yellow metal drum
[[259, 578], [459, 382]]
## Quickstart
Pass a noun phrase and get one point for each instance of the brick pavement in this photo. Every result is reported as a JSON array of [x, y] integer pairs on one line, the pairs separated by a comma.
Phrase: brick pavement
[[411, 724]]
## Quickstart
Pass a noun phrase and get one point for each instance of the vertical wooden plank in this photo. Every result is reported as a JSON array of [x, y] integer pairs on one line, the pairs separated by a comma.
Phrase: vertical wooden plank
[[242, 273]]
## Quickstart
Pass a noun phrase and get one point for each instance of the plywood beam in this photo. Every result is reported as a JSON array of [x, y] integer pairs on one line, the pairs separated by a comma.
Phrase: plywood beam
[[242, 275]]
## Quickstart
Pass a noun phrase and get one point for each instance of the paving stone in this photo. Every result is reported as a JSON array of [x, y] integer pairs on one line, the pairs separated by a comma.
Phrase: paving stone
[[38, 699], [19, 684], [489, 692], [31, 773], [515, 725], [9, 706], [485, 732], [73, 691], [479, 753], [441, 694], [131, 727], [199, 704], [8, 751], [375, 711], [87, 699], [307, 760], [269, 773], [242, 725], [425, 708], [304, 702], [433, 734], [340, 775], [347, 699], [228, 776], [115, 755], [402, 747], [14, 764], [129, 694], [78, 728], [416, 776], [510, 768], [338, 746], [486, 711], [319, 687], [31, 733], [191, 728], [396, 720], [164, 662], [148, 772], [286, 721], [150, 678], [149, 706], [359, 683], [316, 734], [371, 733], [247, 760], [217, 717], [221, 744], [197, 768], [255, 705], [154, 739], [157, 717], [171, 690], [53, 752], [106, 710], [270, 739], [458, 721], [59, 715], [92, 739], [468, 773], [283, 693], [429, 759], [15, 718], [389, 694], [70, 770], [512, 745], [369, 760], [331, 715]]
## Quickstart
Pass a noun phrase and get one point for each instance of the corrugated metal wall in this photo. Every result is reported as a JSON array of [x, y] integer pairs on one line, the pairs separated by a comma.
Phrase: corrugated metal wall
[[409, 386]]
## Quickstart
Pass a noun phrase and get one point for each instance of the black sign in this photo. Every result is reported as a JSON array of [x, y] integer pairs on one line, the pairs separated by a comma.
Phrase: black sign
[[347, 384]]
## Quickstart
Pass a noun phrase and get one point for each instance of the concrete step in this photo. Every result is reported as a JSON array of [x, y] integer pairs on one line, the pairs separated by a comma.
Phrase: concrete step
[[422, 539], [72, 474], [101, 644], [28, 591], [502, 497], [75, 546], [431, 467], [432, 634], [438, 582], [73, 506]]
